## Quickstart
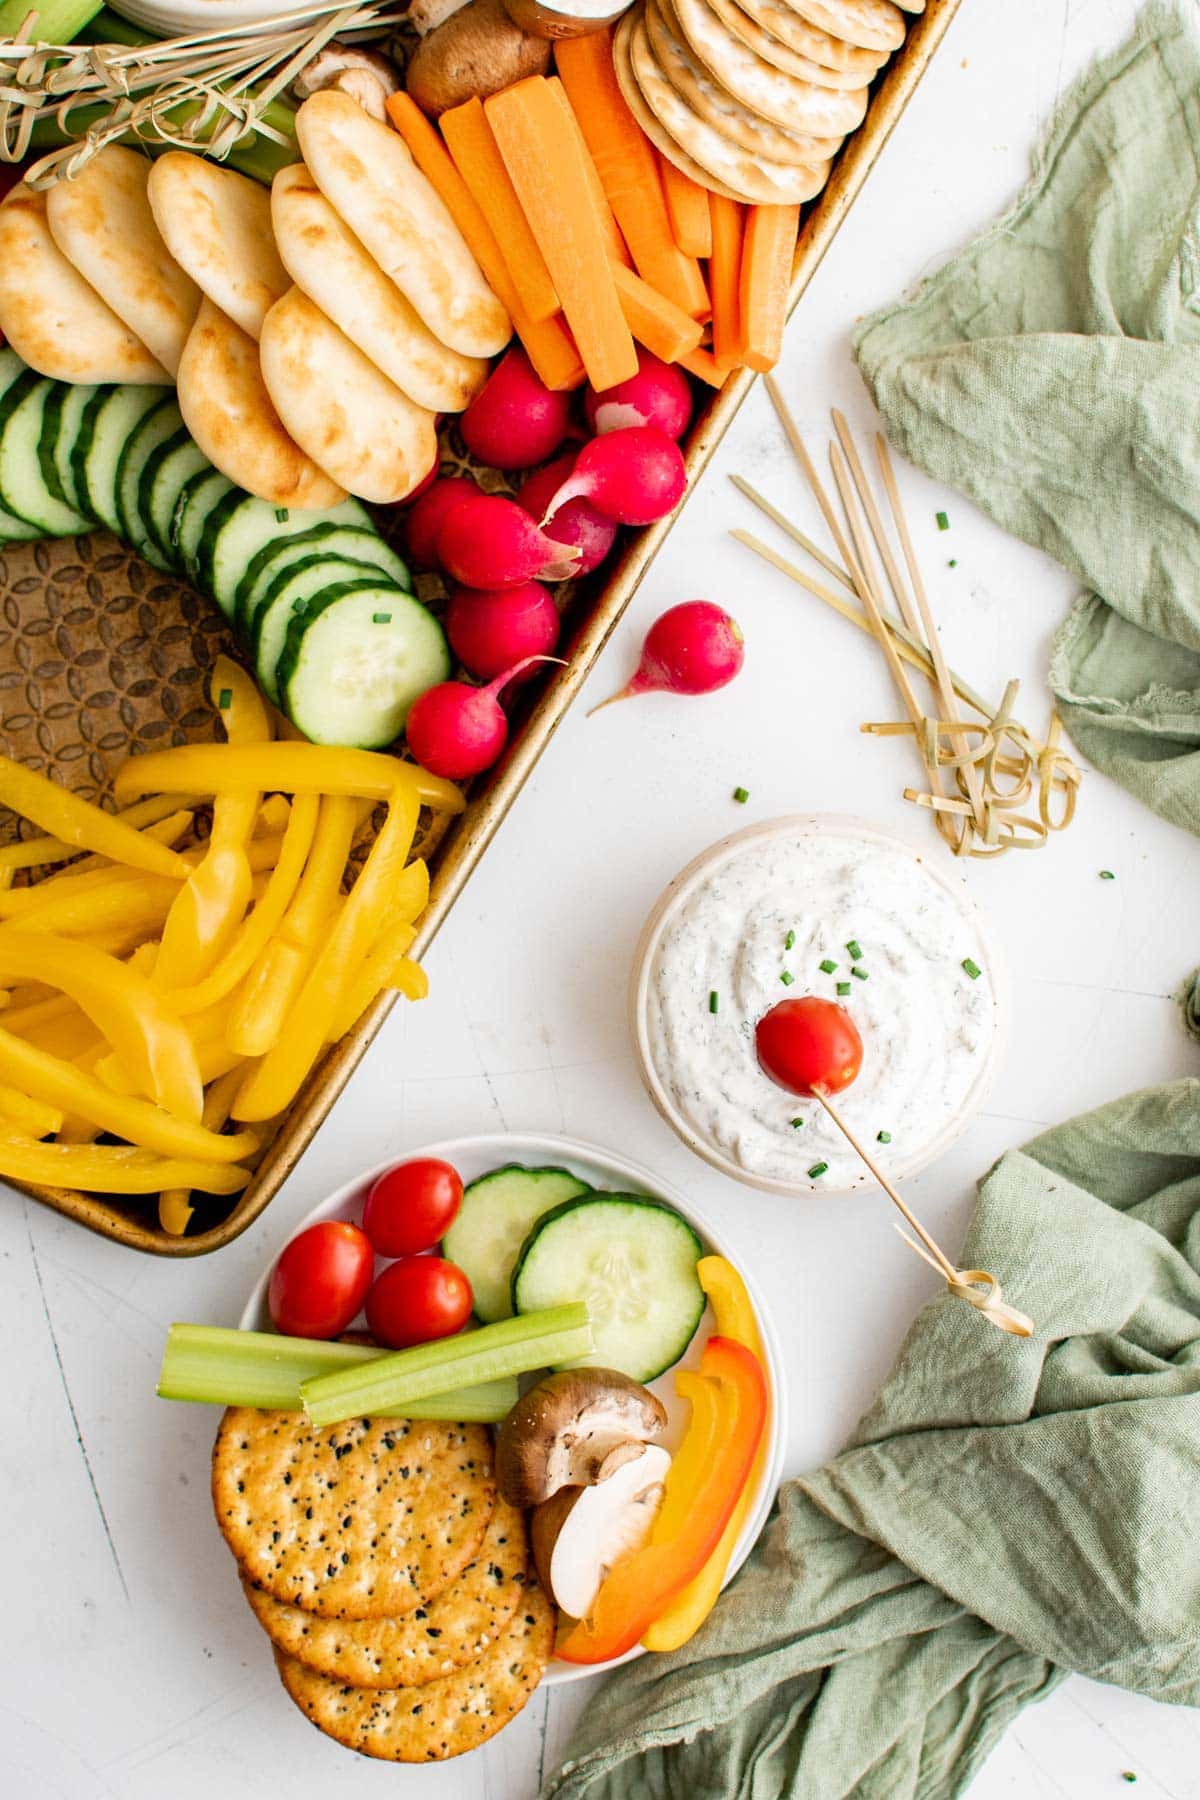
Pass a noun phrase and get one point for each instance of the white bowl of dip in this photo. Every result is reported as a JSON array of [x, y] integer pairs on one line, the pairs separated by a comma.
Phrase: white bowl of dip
[[715, 955]]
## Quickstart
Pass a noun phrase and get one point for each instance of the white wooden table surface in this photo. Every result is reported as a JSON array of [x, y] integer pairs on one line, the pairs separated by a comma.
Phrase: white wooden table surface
[[131, 1667]]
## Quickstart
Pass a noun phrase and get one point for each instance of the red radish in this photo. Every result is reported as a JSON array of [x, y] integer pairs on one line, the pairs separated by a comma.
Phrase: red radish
[[659, 394], [492, 628], [577, 523], [515, 421], [809, 1045], [634, 476], [489, 542], [457, 730], [694, 648], [423, 486], [428, 512]]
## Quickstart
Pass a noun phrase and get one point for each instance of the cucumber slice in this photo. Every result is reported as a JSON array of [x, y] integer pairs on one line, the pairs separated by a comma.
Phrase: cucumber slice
[[159, 425], [633, 1260], [201, 496], [168, 471], [495, 1218], [361, 543], [288, 594], [51, 422], [23, 488], [73, 411], [354, 661], [108, 423], [240, 526]]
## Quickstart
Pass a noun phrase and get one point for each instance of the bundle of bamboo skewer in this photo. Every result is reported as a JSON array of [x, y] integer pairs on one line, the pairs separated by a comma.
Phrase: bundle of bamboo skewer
[[995, 765]]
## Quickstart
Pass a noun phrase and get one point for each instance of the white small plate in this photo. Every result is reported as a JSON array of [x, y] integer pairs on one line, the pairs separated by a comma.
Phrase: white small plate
[[475, 1156]]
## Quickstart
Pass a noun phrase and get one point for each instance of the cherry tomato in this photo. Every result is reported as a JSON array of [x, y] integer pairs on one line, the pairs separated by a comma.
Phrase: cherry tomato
[[416, 1299], [807, 1044], [321, 1280], [411, 1207]]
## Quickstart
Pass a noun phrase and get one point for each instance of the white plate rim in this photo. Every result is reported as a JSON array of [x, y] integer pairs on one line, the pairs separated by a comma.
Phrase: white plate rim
[[520, 1146]]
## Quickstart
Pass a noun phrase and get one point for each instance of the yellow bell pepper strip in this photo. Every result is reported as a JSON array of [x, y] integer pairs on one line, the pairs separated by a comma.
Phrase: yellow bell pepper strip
[[171, 831], [41, 852], [734, 1314], [175, 1204], [32, 1117], [273, 816], [128, 903], [110, 1168], [69, 1037], [73, 1090], [78, 823], [148, 1039], [274, 979], [75, 1130], [38, 1012], [387, 966], [642, 1584], [281, 768], [276, 1081], [213, 902]]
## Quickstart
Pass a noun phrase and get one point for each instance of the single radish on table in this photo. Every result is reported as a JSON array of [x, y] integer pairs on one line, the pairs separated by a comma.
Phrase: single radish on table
[[808, 1045], [515, 420], [577, 523], [659, 394], [427, 513], [634, 476], [489, 542], [693, 648], [490, 629], [457, 730]]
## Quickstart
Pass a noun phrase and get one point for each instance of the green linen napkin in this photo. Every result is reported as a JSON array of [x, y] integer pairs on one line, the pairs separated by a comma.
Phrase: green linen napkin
[[1052, 372], [1006, 1512]]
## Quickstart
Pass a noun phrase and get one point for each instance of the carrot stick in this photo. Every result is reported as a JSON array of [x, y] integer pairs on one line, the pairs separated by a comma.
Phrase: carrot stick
[[702, 364], [687, 209], [628, 169], [617, 251], [545, 162], [768, 249], [654, 320], [470, 142], [549, 345], [724, 274]]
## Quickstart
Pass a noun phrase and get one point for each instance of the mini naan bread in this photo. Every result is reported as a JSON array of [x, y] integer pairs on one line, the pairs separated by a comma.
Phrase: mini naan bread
[[347, 415], [871, 24], [54, 321], [227, 409], [781, 18], [444, 1718], [773, 50], [101, 221], [453, 1628], [766, 90], [327, 262], [217, 225], [365, 171], [364, 1520]]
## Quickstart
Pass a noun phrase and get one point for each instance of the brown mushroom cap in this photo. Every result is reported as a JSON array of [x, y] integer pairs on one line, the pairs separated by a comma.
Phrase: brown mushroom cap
[[573, 1429], [475, 52]]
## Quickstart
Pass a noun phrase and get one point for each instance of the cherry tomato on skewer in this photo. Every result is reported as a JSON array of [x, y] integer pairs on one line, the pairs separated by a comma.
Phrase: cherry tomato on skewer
[[809, 1043]]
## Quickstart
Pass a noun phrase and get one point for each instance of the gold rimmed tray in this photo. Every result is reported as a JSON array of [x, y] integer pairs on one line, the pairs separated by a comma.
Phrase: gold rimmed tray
[[101, 657]]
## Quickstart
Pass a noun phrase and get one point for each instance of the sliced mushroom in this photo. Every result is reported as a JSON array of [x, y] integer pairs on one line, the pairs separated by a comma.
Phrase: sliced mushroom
[[574, 1429], [365, 75], [581, 1532], [427, 15]]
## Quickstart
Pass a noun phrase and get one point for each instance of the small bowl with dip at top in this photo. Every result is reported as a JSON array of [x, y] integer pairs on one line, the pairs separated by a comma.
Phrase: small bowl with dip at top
[[832, 906]]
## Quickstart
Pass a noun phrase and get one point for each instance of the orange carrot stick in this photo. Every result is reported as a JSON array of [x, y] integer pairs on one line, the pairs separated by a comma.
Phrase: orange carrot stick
[[724, 275], [768, 249], [702, 364], [654, 320], [549, 345], [544, 159], [687, 209], [628, 169], [470, 142], [617, 251]]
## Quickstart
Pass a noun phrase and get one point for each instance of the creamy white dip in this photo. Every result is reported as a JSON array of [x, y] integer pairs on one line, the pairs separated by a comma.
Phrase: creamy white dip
[[927, 1026]]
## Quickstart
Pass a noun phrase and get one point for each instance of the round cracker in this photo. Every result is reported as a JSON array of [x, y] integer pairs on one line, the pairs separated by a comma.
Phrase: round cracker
[[362, 1520], [453, 1628], [217, 225], [709, 101], [781, 18], [798, 105], [870, 24], [780, 54], [101, 221], [443, 1718], [721, 164]]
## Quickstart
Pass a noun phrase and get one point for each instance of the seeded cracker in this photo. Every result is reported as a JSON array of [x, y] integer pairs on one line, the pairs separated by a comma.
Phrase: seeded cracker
[[362, 1520], [454, 1628], [443, 1718]]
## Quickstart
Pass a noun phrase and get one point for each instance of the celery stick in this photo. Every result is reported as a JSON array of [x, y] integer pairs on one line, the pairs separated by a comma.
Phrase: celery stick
[[401, 1381], [260, 1368], [57, 22]]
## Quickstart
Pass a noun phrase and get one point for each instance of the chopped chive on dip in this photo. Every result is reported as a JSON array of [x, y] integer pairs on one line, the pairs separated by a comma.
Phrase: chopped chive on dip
[[817, 1169], [741, 795], [281, 514], [943, 521], [827, 967], [796, 1124], [859, 974], [1107, 875], [714, 1000], [1128, 1775], [786, 977], [225, 699], [843, 987], [789, 940], [381, 618], [883, 1137], [972, 968], [953, 563], [854, 950]]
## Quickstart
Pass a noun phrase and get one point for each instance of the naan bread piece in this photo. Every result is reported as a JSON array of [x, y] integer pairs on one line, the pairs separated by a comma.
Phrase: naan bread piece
[[796, 105], [352, 421], [101, 221], [327, 262], [227, 409], [217, 225], [366, 173], [54, 321]]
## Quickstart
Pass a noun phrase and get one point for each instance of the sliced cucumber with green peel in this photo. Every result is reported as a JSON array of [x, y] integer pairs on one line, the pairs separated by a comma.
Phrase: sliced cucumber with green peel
[[72, 412], [633, 1261], [24, 491], [288, 594], [199, 499], [355, 659], [158, 426], [496, 1216], [361, 543], [167, 472], [240, 526], [108, 424]]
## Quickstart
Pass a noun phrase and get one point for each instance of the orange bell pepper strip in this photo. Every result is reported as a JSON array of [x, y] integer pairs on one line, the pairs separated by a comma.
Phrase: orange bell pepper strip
[[212, 903], [110, 1168], [735, 1319], [78, 823], [41, 852], [642, 1584], [287, 768]]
